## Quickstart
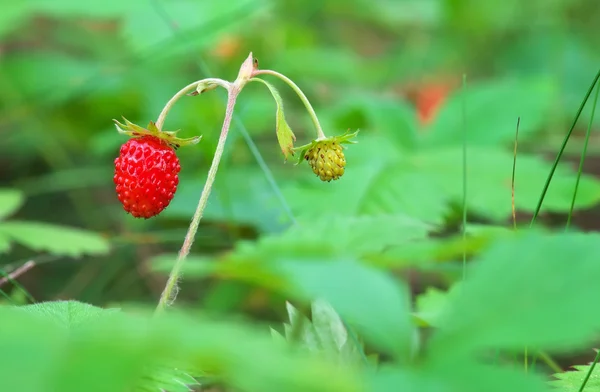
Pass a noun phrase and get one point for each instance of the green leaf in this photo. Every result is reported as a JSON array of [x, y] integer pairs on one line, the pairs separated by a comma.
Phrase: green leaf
[[426, 183], [326, 334], [72, 315], [131, 348], [448, 373], [355, 235], [4, 243], [430, 305], [328, 325], [427, 251], [571, 381], [10, 201], [163, 378], [520, 287], [285, 136], [492, 112], [55, 239], [68, 314], [367, 298], [333, 237], [12, 15], [308, 336], [490, 175], [379, 180], [394, 119]]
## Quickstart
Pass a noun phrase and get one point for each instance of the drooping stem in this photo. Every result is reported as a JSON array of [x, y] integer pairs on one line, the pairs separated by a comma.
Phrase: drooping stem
[[184, 91], [305, 101], [170, 291]]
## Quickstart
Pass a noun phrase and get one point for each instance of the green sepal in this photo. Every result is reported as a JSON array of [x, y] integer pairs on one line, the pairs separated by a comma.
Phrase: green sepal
[[134, 130], [346, 138]]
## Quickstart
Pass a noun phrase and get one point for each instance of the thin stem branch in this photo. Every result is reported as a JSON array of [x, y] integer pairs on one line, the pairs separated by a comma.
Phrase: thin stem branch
[[305, 101], [184, 91], [18, 272], [170, 291]]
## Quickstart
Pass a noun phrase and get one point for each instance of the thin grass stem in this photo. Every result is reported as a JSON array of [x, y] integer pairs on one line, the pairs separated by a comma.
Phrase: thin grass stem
[[582, 159]]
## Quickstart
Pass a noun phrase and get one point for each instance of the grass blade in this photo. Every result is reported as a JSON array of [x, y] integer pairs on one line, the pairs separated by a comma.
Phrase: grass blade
[[512, 178], [562, 149], [582, 159], [464, 164], [590, 371]]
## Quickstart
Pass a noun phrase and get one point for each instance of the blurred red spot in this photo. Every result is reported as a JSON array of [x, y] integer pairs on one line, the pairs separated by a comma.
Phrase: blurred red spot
[[428, 100]]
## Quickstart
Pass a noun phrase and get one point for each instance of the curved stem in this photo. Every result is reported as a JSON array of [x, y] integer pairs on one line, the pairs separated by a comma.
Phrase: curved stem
[[170, 291], [184, 91], [305, 101]]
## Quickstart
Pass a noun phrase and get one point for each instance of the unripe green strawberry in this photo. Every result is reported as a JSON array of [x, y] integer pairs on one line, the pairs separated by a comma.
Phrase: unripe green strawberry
[[147, 169], [326, 158], [326, 155], [146, 176]]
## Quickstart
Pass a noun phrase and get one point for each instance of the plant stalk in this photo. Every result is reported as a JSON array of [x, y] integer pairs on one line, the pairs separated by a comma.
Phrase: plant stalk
[[305, 101], [170, 292], [184, 91]]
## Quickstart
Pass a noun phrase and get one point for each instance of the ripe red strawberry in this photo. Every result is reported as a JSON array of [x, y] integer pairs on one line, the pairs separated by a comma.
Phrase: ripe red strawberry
[[146, 175], [147, 169]]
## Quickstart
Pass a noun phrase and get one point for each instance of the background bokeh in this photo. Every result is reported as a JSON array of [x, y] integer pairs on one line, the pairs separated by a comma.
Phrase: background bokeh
[[391, 68]]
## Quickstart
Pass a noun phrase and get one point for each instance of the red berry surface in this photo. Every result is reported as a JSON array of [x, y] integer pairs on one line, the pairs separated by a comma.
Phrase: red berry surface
[[146, 176]]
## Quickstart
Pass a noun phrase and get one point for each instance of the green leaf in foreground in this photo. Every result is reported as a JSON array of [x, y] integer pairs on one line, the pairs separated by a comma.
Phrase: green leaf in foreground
[[450, 374], [532, 290], [55, 239], [72, 315], [285, 136], [571, 381], [68, 314], [10, 201], [430, 305], [325, 334], [115, 353], [366, 298]]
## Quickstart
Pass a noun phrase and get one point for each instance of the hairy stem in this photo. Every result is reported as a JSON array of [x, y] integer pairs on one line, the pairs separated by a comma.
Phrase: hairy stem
[[184, 91], [305, 101], [170, 291]]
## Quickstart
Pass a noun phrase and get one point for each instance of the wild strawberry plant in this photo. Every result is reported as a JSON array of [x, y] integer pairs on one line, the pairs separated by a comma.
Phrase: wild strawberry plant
[[353, 325]]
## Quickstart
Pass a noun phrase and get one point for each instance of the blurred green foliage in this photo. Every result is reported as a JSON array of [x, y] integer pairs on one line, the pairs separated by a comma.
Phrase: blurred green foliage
[[376, 255]]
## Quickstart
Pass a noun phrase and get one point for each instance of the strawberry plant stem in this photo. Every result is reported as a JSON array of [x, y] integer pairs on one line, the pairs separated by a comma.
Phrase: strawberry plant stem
[[184, 91], [170, 291], [305, 101]]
